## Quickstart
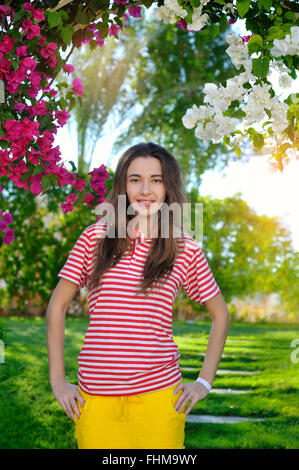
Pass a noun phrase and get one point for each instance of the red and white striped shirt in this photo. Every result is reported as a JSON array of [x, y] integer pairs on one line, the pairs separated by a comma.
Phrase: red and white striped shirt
[[128, 347]]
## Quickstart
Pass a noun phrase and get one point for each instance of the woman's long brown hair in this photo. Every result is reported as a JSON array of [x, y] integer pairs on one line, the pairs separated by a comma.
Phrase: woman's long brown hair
[[163, 251]]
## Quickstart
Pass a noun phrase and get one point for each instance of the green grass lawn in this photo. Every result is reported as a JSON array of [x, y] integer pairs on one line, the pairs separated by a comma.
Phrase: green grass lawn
[[31, 418]]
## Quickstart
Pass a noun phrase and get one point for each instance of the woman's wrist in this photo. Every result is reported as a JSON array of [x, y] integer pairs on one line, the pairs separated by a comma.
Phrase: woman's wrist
[[205, 383]]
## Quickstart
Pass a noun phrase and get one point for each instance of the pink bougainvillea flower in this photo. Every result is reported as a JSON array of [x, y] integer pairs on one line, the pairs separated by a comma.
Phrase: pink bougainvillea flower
[[1, 189], [29, 128], [113, 30], [92, 27], [22, 50], [67, 207], [33, 156], [80, 184], [120, 2], [5, 67], [182, 24], [52, 61], [36, 186], [135, 11], [3, 10], [77, 87], [100, 41], [42, 40], [88, 198], [3, 225], [18, 149], [68, 68], [246, 38], [13, 129], [7, 44], [41, 108], [20, 167], [28, 63], [62, 117], [19, 107], [33, 30], [49, 49], [37, 14], [12, 84], [98, 176], [71, 198], [7, 216], [231, 21], [9, 236]]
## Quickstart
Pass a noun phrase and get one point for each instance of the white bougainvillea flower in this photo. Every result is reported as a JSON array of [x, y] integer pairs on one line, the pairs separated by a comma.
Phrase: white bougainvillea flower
[[198, 20], [285, 81], [258, 100], [279, 114], [287, 46], [170, 12], [191, 117]]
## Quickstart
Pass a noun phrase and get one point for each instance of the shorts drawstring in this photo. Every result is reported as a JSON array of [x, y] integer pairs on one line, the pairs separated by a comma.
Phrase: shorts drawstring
[[123, 407]]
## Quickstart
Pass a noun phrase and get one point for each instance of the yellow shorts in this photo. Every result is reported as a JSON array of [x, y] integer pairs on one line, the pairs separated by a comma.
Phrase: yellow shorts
[[145, 421]]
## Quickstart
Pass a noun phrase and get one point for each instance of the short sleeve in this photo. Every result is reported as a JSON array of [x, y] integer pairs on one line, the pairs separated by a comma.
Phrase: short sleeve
[[75, 268], [200, 284]]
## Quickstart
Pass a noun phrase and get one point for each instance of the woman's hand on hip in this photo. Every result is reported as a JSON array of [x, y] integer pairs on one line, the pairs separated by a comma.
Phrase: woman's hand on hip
[[193, 391], [66, 395]]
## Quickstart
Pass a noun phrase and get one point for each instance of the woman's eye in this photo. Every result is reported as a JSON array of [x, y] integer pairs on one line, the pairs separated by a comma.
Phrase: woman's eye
[[134, 179]]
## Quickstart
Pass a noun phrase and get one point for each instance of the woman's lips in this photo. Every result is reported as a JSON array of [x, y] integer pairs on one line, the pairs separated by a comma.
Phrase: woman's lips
[[145, 202]]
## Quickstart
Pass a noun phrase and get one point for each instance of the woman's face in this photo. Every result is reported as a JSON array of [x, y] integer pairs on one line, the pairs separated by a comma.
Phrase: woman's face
[[145, 185]]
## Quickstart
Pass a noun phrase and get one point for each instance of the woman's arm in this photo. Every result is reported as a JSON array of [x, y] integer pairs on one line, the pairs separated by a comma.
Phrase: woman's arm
[[220, 325], [196, 391], [64, 392]]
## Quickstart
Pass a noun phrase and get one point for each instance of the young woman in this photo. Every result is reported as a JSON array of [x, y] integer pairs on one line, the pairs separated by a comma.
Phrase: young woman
[[130, 393]]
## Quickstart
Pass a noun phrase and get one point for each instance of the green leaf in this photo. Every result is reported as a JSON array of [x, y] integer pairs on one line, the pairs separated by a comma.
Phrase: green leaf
[[255, 44], [74, 169], [275, 32], [265, 4], [289, 15], [38, 169], [46, 183], [226, 140], [258, 141], [243, 7], [103, 28], [214, 29], [260, 67], [67, 33], [54, 19], [148, 3], [268, 112], [72, 103], [82, 18], [92, 45], [62, 103], [238, 151]]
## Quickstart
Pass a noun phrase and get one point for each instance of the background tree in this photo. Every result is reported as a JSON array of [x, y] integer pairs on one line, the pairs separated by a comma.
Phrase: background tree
[[248, 253], [168, 78], [104, 72]]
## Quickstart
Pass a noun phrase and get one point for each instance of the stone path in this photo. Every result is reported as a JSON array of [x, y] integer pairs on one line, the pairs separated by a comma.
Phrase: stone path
[[226, 371], [218, 419], [191, 418], [228, 391]]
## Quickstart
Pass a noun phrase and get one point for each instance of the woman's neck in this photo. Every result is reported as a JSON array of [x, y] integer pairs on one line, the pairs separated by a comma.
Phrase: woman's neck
[[148, 226]]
